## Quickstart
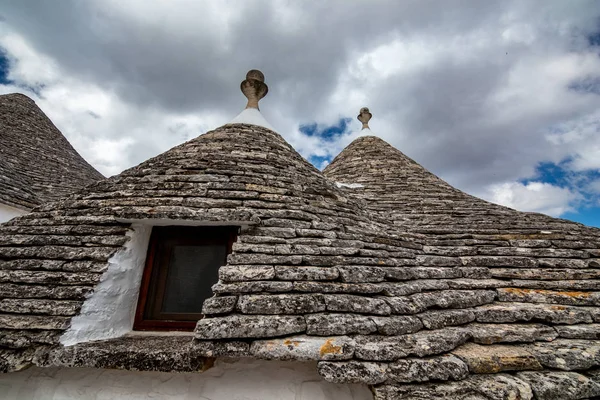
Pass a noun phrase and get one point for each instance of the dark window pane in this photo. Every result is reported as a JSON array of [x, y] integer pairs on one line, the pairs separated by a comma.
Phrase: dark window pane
[[192, 271]]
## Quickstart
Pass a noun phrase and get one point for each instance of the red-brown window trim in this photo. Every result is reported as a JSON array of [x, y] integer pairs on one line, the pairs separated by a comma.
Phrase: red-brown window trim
[[153, 267]]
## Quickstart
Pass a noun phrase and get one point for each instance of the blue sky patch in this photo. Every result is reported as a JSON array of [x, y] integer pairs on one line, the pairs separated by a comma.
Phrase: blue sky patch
[[320, 161], [329, 133], [559, 174], [4, 67]]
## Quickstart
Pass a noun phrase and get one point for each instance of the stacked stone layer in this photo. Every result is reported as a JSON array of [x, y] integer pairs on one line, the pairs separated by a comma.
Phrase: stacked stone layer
[[446, 295], [544, 273], [37, 163]]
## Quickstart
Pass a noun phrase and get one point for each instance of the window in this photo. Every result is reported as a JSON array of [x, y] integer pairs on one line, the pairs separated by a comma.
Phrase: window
[[181, 267]]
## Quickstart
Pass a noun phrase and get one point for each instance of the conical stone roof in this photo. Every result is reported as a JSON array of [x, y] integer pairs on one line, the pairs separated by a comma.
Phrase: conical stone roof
[[471, 310], [37, 163]]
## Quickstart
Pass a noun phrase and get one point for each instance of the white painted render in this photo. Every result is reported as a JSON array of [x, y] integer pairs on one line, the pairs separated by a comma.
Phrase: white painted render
[[109, 312], [252, 116], [227, 380], [8, 212]]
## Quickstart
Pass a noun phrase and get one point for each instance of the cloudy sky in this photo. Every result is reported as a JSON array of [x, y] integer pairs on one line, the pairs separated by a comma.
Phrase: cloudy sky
[[499, 98]]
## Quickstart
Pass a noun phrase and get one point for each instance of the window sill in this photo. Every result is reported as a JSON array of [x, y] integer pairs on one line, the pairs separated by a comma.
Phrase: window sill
[[147, 351]]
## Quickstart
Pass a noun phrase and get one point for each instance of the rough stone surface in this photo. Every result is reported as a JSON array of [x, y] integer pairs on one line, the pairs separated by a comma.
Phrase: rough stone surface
[[496, 358], [353, 372], [513, 312], [147, 353], [281, 304], [304, 348], [503, 333], [424, 343], [566, 354], [219, 305], [584, 331], [441, 368], [242, 326], [38, 164], [356, 304], [339, 324], [442, 318], [575, 298], [397, 325], [550, 385], [482, 387]]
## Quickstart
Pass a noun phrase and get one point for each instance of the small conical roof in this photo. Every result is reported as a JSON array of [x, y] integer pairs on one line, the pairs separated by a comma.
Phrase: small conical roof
[[35, 158], [393, 184]]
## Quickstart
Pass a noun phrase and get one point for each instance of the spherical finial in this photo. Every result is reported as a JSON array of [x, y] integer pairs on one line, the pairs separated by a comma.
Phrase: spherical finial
[[254, 87], [364, 116]]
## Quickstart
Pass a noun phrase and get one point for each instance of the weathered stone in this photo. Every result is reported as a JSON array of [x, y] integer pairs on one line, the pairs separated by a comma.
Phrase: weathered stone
[[299, 273], [339, 324], [409, 273], [442, 318], [503, 333], [498, 261], [16, 339], [20, 291], [424, 343], [437, 261], [15, 360], [356, 304], [219, 305], [454, 298], [476, 283], [568, 285], [249, 326], [16, 321], [404, 305], [304, 348], [551, 385], [482, 387], [411, 287], [545, 273], [496, 358], [475, 272], [40, 306], [352, 372], [548, 296], [361, 274], [228, 348], [442, 368], [261, 259], [145, 353], [566, 354], [49, 277], [397, 325], [238, 273], [274, 304], [512, 312], [252, 287], [584, 331], [335, 287]]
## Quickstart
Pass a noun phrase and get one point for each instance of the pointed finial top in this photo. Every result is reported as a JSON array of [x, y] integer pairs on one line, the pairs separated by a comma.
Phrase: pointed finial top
[[254, 87], [364, 116]]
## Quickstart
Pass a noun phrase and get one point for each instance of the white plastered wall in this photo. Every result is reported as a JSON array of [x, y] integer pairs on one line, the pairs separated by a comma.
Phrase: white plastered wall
[[227, 380], [8, 212], [109, 312]]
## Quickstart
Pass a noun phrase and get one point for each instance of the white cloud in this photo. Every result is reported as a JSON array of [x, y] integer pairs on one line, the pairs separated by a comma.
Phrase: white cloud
[[479, 94], [534, 196]]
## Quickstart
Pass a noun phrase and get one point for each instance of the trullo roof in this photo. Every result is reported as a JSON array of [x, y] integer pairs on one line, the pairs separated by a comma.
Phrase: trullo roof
[[402, 282]]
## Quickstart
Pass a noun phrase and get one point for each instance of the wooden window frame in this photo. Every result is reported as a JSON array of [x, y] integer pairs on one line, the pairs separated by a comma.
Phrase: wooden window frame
[[152, 290]]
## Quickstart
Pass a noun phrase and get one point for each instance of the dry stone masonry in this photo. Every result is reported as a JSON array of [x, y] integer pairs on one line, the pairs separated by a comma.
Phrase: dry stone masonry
[[404, 283], [37, 163]]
